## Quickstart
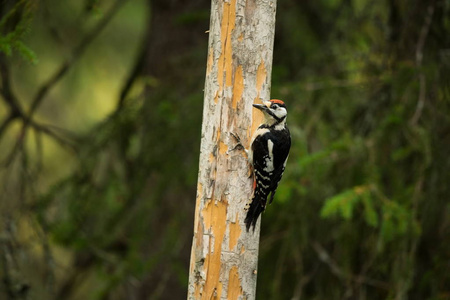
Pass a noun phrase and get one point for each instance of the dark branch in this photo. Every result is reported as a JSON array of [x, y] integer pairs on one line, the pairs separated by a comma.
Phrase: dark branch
[[340, 273], [137, 69], [15, 110], [76, 54]]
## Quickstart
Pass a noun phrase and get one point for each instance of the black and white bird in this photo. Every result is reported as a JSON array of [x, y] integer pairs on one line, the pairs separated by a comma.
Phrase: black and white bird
[[267, 155]]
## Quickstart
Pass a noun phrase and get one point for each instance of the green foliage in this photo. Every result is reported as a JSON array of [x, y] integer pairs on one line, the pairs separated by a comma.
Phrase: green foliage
[[344, 204], [13, 27], [395, 219]]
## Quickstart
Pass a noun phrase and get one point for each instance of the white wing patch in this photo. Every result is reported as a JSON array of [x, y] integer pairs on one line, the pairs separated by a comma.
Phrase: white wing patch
[[269, 159]]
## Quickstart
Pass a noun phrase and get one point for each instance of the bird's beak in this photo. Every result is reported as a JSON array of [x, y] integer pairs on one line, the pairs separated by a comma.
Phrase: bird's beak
[[261, 107]]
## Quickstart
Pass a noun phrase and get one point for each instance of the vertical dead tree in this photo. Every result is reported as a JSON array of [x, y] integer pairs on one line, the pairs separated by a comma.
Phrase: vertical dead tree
[[224, 256]]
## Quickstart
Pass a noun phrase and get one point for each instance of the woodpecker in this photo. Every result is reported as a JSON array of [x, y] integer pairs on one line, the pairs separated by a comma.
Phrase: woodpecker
[[267, 155]]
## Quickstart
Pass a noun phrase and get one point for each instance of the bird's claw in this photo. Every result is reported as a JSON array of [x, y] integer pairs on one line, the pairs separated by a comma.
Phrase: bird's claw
[[239, 145]]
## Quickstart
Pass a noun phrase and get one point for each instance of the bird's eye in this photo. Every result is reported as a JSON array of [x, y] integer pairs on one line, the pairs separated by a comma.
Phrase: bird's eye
[[274, 106]]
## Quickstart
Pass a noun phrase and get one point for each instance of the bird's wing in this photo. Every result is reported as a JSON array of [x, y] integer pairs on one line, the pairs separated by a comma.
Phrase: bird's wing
[[281, 151], [262, 167]]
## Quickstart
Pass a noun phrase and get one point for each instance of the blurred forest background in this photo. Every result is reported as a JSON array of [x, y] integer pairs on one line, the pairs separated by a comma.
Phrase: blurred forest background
[[100, 117]]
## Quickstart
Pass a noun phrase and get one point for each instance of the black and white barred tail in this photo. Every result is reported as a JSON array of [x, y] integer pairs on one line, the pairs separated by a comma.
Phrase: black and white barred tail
[[262, 186], [253, 213], [256, 207]]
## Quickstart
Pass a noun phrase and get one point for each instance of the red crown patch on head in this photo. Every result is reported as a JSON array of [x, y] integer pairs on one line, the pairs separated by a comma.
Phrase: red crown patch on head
[[277, 101]]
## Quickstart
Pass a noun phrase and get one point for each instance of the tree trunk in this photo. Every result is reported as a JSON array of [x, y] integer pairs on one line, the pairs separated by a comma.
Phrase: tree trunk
[[224, 256]]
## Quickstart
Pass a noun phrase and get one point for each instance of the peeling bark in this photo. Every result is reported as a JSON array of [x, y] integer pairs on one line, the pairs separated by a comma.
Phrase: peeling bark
[[224, 255]]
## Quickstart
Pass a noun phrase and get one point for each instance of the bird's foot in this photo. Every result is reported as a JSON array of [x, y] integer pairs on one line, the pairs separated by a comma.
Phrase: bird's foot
[[239, 145]]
